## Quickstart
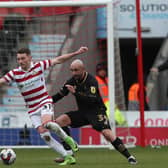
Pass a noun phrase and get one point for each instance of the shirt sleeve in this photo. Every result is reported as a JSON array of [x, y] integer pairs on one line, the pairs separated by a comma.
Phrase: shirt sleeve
[[62, 92], [9, 77], [163, 66], [45, 64]]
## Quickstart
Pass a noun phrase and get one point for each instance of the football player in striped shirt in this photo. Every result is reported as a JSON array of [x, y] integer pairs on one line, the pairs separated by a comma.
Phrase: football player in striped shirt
[[30, 80]]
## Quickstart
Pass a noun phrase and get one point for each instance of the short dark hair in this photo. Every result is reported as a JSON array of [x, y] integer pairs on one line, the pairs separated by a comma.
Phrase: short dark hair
[[24, 50], [101, 66]]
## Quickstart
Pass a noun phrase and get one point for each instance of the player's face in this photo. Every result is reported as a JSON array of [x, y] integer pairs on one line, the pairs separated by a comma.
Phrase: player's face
[[24, 61], [77, 72]]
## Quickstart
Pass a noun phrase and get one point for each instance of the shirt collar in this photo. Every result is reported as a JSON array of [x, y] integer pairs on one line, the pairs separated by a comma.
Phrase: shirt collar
[[31, 65]]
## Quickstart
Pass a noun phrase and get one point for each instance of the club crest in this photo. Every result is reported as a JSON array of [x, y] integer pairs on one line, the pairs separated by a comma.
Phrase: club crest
[[93, 89]]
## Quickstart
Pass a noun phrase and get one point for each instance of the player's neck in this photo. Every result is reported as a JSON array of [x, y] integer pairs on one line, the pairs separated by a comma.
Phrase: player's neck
[[26, 68], [83, 77]]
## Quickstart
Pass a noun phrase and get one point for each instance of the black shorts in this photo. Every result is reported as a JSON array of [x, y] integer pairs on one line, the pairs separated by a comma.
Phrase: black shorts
[[98, 122]]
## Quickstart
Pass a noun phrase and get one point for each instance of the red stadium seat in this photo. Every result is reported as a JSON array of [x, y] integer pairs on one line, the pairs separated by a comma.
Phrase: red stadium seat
[[1, 22], [55, 10], [27, 12], [3, 13]]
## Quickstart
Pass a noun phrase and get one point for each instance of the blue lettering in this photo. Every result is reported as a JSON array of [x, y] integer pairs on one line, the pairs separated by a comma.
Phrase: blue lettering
[[154, 16]]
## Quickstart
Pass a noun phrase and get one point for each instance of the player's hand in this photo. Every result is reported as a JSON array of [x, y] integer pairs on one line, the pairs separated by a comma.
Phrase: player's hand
[[155, 70], [71, 88], [82, 50]]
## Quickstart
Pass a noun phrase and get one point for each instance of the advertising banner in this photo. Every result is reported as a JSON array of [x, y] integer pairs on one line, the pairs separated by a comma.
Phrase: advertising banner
[[156, 126], [14, 119], [152, 118], [154, 19], [154, 136]]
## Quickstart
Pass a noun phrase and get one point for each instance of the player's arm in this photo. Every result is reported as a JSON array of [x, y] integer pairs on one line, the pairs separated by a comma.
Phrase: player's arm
[[2, 81], [65, 57], [57, 97], [61, 93], [162, 67]]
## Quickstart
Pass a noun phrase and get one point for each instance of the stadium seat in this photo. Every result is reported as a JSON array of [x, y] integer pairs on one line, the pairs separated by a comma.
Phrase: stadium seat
[[46, 46], [1, 22], [13, 91], [26, 12], [13, 100], [3, 13], [13, 26], [55, 10]]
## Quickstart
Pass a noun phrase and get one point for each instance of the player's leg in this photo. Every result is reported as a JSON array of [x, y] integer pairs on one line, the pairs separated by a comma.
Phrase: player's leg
[[49, 140], [56, 146], [101, 124], [53, 126], [118, 145], [65, 145], [49, 123], [76, 120]]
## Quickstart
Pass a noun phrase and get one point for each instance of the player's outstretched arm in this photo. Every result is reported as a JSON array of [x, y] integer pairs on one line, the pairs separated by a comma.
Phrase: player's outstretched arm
[[65, 57], [153, 69], [2, 81]]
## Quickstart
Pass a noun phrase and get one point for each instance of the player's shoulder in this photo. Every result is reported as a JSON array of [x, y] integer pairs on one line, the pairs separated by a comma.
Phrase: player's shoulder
[[35, 63], [91, 77], [45, 61], [17, 69], [14, 72]]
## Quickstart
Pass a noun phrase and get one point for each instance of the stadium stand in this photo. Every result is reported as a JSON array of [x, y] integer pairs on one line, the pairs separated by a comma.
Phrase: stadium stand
[[48, 11], [3, 13], [25, 27], [45, 46]]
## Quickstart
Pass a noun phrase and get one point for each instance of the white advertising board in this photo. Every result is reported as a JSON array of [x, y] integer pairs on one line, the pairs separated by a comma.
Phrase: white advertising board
[[154, 16], [14, 120], [152, 118]]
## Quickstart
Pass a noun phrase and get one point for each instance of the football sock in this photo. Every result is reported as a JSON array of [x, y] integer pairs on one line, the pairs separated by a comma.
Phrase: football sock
[[119, 146], [69, 140], [52, 143], [67, 130], [65, 145], [56, 129]]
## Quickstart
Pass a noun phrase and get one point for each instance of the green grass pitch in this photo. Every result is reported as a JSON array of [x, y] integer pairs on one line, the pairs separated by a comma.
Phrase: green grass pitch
[[92, 158]]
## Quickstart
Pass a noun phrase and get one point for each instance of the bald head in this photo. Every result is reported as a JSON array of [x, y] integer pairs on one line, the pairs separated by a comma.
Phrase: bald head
[[77, 63], [77, 68]]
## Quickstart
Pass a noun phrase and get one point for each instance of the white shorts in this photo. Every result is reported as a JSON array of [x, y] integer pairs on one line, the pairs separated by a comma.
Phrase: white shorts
[[36, 117]]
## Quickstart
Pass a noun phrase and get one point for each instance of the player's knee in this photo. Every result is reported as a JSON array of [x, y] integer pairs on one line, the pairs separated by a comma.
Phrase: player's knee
[[46, 136], [97, 128], [51, 125], [100, 128]]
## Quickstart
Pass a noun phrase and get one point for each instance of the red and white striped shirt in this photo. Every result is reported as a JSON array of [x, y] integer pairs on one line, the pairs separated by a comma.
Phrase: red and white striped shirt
[[32, 84]]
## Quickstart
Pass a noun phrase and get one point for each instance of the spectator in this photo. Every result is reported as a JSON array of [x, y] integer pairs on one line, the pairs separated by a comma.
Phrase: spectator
[[133, 97], [102, 79]]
